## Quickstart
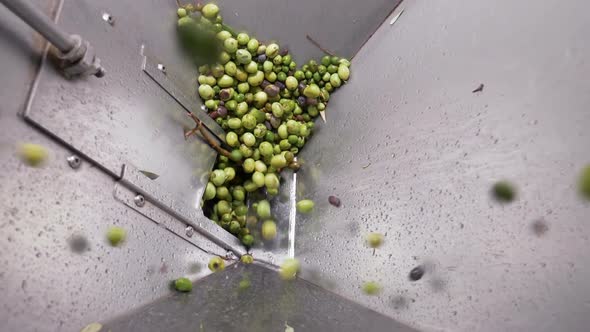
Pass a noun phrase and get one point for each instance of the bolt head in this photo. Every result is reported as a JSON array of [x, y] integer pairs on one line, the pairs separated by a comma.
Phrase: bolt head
[[139, 200], [74, 162]]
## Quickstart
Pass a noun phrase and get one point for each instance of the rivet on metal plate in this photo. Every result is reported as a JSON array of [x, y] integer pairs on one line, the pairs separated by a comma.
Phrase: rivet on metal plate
[[190, 231], [162, 68], [74, 161], [108, 18], [139, 200]]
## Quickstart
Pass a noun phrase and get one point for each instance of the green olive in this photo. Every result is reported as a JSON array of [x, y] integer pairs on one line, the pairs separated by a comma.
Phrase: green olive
[[277, 110], [247, 259], [243, 87], [250, 186], [278, 161], [223, 207], [249, 121], [210, 10], [312, 91], [256, 79], [216, 264], [371, 288], [116, 235], [248, 165], [284, 145], [33, 155], [252, 45], [282, 131], [224, 57], [225, 81], [291, 83], [260, 98], [222, 193], [234, 227], [305, 206], [263, 209], [181, 12], [271, 76], [239, 193], [243, 56], [248, 240], [251, 67], [206, 91], [278, 60], [289, 269], [343, 73], [243, 39], [272, 50], [230, 45], [374, 240], [230, 173], [258, 179], [183, 285], [269, 230], [267, 66], [248, 139], [218, 177], [234, 123], [236, 155], [223, 35], [241, 75], [504, 192], [271, 181], [230, 68], [210, 191]]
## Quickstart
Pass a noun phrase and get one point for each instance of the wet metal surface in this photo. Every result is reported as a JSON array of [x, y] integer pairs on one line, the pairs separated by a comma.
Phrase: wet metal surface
[[340, 26], [412, 153], [253, 298], [58, 271], [126, 117]]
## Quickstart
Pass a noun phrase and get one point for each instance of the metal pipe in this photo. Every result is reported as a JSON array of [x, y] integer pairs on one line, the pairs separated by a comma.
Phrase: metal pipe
[[41, 23]]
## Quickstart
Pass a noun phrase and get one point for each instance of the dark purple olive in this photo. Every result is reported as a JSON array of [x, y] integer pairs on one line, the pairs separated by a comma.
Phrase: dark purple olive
[[221, 111], [334, 201], [290, 73], [272, 90], [311, 101], [416, 273], [299, 117], [264, 84], [301, 100], [261, 58], [214, 115], [284, 51], [301, 87], [221, 103], [267, 124], [274, 122], [281, 85], [224, 94]]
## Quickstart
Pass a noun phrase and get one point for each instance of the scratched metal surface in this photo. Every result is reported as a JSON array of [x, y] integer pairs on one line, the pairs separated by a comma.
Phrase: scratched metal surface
[[219, 303], [126, 117], [412, 153], [58, 273], [340, 26]]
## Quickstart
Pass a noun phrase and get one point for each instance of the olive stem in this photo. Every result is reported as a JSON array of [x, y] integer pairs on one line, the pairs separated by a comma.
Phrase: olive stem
[[319, 46], [200, 128]]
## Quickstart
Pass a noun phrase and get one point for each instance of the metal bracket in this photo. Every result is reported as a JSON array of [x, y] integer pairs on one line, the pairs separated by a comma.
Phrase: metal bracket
[[158, 72], [164, 208], [164, 220], [81, 60]]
